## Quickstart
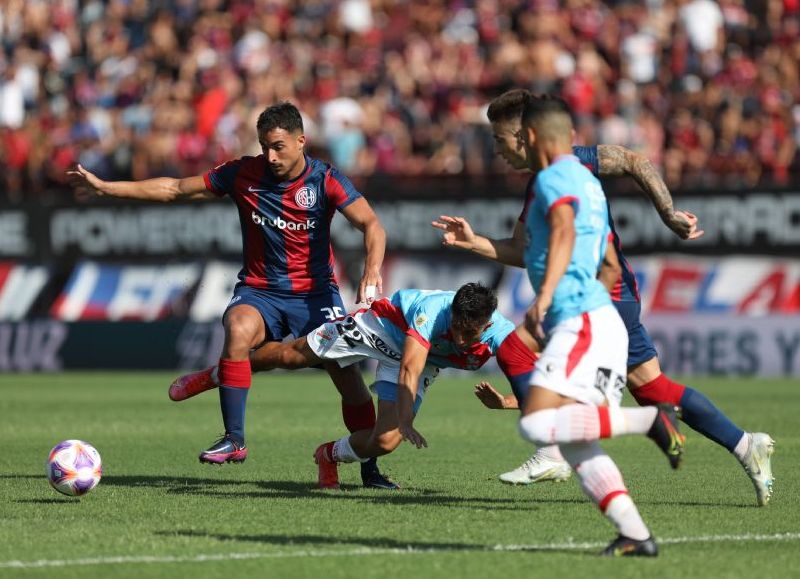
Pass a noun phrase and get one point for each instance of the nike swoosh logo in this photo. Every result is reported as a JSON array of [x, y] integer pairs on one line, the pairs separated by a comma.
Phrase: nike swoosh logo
[[252, 190]]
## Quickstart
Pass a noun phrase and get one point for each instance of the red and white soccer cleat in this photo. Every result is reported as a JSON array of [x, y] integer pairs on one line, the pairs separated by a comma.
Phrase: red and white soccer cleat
[[328, 470], [192, 384]]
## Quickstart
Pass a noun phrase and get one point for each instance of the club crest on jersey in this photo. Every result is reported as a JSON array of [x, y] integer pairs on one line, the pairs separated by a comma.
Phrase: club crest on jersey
[[305, 197]]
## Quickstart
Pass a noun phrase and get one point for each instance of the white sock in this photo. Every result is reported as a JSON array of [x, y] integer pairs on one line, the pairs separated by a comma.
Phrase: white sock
[[343, 452], [550, 453], [583, 423], [602, 482], [623, 513], [631, 420], [741, 448]]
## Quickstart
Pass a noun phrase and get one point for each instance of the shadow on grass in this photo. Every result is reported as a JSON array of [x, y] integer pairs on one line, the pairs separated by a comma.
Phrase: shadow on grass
[[283, 489], [305, 490], [371, 543]]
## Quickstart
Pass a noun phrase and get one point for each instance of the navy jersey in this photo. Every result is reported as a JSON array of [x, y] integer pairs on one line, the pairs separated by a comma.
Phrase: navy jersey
[[626, 288], [286, 237]]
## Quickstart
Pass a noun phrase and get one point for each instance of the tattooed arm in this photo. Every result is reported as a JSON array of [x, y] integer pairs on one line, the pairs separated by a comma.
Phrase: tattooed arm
[[616, 161]]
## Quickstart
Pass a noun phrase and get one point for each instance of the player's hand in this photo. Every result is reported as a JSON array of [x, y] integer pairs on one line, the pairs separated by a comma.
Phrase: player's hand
[[534, 317], [370, 287], [684, 224], [490, 397], [409, 434], [457, 232], [85, 183]]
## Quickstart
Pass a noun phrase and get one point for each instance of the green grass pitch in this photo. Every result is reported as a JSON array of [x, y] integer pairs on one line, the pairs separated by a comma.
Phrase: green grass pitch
[[159, 513]]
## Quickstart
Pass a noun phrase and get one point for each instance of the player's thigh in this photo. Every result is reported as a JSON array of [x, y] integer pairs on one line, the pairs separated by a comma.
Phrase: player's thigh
[[267, 323], [244, 328], [585, 358], [643, 365], [540, 398]]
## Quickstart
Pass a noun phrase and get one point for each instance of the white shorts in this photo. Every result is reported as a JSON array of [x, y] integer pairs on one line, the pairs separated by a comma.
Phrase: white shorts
[[361, 336], [586, 358]]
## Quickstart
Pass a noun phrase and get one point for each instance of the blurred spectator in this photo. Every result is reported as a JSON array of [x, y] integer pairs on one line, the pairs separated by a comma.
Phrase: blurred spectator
[[139, 88]]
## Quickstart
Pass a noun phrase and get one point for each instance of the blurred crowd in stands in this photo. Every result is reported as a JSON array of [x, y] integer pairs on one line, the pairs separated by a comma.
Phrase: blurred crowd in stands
[[136, 88]]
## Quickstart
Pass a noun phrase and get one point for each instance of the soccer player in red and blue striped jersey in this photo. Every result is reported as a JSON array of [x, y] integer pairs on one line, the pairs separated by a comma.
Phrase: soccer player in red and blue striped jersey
[[286, 201], [646, 382]]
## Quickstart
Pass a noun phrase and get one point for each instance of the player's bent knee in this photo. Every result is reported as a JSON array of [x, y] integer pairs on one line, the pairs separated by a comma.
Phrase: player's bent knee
[[537, 427], [243, 332]]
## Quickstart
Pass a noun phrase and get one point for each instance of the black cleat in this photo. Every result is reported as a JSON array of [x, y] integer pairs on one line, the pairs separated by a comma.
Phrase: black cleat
[[372, 478], [224, 450], [623, 546], [665, 434]]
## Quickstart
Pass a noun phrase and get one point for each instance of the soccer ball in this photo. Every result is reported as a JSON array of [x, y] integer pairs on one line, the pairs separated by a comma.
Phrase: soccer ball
[[74, 467]]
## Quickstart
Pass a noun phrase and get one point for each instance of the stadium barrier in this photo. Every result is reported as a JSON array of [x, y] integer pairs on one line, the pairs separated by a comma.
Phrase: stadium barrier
[[713, 345], [164, 274]]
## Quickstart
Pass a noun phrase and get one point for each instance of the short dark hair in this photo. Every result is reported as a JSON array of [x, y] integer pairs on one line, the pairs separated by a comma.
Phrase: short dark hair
[[508, 106], [280, 116], [473, 304], [540, 106]]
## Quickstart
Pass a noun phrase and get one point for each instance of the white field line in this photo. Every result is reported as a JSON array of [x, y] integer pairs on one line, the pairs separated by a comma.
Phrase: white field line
[[364, 551]]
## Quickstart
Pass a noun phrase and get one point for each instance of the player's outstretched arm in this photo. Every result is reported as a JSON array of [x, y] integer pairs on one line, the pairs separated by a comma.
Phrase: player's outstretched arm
[[458, 233], [162, 189], [362, 217], [411, 366], [616, 161], [493, 399]]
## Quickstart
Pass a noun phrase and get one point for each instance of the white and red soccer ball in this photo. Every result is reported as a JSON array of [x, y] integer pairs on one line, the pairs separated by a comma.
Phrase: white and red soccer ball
[[74, 467]]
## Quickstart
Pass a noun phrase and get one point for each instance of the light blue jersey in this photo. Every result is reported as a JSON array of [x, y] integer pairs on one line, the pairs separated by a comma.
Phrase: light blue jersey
[[578, 291], [425, 316]]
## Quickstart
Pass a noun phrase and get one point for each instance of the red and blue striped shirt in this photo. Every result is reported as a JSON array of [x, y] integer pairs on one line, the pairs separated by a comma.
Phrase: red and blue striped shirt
[[286, 236]]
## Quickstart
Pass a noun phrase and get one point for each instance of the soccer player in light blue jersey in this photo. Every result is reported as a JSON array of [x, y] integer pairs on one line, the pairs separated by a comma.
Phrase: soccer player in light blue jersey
[[646, 382], [577, 384], [412, 335]]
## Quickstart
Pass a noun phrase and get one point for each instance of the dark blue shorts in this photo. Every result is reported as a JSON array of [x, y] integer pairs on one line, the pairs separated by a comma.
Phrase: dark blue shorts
[[640, 345], [286, 314]]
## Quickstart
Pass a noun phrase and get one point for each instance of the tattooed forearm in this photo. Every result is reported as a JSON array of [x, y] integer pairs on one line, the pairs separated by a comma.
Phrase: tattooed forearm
[[616, 161]]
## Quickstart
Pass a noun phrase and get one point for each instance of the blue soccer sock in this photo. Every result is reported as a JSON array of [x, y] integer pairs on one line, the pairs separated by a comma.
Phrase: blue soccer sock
[[698, 411], [233, 401], [701, 414], [235, 377]]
